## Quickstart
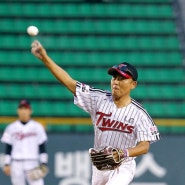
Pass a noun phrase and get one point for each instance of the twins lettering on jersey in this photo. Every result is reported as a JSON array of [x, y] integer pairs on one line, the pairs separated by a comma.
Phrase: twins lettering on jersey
[[21, 136], [104, 123]]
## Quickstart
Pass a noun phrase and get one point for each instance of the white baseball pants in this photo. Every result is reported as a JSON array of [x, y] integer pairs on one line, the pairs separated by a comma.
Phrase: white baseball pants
[[123, 175], [19, 175]]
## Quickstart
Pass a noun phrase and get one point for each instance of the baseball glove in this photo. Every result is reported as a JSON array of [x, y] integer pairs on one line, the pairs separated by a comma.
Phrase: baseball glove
[[38, 172], [107, 158]]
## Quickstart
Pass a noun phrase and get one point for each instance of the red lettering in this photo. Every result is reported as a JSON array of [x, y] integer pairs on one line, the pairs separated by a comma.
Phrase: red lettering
[[121, 126], [21, 136], [113, 129], [101, 116], [130, 129], [112, 125], [115, 125], [107, 122]]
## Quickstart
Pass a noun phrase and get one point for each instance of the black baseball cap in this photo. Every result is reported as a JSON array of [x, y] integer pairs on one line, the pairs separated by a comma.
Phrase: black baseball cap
[[24, 103], [124, 69]]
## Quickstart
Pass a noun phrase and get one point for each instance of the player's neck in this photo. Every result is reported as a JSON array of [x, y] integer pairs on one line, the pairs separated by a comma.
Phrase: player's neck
[[24, 121], [122, 101]]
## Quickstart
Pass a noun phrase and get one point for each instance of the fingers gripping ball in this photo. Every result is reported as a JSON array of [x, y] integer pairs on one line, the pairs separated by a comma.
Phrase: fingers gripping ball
[[38, 50], [107, 158], [32, 30]]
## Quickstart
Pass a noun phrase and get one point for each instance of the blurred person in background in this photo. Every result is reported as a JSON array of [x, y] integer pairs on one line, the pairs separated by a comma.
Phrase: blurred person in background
[[25, 146]]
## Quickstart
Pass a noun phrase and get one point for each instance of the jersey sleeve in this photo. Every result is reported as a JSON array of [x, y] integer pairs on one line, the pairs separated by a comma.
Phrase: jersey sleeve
[[6, 137], [147, 130], [86, 97], [42, 134]]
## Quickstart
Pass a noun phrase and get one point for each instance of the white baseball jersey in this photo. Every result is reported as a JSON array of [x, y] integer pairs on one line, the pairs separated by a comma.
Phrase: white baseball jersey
[[25, 139], [118, 127]]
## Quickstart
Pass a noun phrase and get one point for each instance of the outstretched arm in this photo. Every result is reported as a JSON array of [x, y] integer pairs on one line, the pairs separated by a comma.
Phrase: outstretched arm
[[39, 51]]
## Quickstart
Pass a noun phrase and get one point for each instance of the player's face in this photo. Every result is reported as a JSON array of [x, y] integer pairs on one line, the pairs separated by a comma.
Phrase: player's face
[[24, 114], [121, 86]]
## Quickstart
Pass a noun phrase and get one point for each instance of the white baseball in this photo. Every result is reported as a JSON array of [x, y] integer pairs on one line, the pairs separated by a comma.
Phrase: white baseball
[[32, 30]]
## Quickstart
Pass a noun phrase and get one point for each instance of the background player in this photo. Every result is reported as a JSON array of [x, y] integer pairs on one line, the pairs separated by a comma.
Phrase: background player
[[119, 121], [25, 141]]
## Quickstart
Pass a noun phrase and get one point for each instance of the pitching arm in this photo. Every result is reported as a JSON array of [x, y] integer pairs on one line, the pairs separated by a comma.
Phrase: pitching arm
[[141, 148], [39, 51]]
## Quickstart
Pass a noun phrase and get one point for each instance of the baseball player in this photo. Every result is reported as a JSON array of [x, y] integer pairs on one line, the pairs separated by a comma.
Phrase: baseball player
[[119, 121], [25, 141]]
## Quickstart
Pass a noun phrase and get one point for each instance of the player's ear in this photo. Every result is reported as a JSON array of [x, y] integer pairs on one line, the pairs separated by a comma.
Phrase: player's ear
[[31, 111], [133, 84]]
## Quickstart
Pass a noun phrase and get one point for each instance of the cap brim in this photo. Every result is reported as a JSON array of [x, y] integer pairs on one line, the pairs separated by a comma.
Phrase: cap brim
[[25, 106], [112, 71]]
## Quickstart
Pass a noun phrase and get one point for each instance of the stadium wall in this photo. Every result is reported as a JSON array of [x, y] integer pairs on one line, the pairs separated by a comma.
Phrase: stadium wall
[[69, 161]]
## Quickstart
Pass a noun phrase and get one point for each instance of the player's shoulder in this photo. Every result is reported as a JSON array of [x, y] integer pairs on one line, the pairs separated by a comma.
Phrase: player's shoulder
[[96, 91], [12, 125], [35, 123], [142, 111], [139, 106], [101, 92]]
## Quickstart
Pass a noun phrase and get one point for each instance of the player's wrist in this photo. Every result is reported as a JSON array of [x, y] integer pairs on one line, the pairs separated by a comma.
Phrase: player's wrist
[[43, 157], [44, 164], [5, 165], [124, 153], [7, 160]]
